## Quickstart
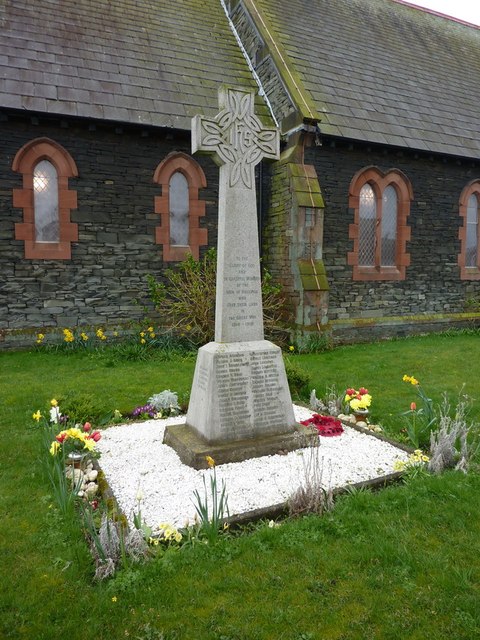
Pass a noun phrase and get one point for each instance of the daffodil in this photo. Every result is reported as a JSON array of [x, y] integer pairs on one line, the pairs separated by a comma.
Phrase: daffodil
[[210, 461], [37, 415], [55, 446]]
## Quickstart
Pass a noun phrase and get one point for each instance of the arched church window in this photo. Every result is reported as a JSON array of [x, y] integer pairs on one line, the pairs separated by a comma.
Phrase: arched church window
[[179, 207], [380, 204], [45, 202], [45, 199], [469, 233]]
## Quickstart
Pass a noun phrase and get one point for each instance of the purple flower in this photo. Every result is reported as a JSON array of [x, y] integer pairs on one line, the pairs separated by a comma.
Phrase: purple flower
[[145, 410]]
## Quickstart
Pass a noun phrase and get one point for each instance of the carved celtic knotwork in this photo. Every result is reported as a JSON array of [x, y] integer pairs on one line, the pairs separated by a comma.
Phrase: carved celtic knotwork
[[236, 136]]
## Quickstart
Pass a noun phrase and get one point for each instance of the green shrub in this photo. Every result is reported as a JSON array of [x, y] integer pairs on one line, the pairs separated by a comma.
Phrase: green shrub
[[317, 342], [298, 380], [82, 407], [186, 301]]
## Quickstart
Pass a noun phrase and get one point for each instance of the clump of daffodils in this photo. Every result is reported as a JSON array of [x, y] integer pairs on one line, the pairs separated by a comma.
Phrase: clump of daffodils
[[100, 334], [415, 459], [360, 399], [166, 533], [68, 335]]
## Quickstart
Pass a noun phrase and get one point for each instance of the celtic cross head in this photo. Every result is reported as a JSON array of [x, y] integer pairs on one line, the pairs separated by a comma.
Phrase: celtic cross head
[[236, 137]]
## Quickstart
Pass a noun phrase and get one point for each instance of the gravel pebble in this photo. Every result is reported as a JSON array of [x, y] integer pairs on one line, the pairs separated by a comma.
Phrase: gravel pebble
[[134, 458]]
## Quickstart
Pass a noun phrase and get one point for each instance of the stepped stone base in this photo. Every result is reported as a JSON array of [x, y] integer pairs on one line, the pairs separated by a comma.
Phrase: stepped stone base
[[192, 448]]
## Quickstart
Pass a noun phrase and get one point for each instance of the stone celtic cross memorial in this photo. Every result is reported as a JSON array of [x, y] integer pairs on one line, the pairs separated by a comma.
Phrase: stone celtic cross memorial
[[240, 404]]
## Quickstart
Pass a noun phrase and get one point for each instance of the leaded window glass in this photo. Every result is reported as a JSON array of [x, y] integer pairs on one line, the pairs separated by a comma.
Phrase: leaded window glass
[[179, 209], [368, 218], [45, 202], [471, 259], [389, 227]]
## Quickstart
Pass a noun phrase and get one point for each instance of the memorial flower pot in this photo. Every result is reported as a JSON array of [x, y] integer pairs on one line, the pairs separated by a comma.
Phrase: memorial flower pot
[[76, 458], [361, 415]]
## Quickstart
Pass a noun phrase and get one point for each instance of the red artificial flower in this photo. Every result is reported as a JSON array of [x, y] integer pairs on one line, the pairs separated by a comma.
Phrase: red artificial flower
[[350, 392], [61, 437], [362, 391], [327, 426], [87, 426], [413, 406], [96, 435]]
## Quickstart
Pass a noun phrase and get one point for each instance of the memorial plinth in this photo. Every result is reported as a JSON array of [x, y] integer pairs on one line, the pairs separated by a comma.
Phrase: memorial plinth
[[240, 404]]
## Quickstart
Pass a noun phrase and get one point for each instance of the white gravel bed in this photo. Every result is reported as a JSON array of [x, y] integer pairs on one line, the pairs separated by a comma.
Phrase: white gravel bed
[[133, 458]]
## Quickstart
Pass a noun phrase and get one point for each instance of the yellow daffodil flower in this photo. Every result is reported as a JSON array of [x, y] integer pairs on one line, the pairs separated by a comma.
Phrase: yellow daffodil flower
[[54, 448]]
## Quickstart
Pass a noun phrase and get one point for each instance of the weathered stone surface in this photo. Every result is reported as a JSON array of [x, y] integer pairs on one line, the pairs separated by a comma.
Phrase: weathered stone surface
[[240, 391], [192, 449], [106, 273]]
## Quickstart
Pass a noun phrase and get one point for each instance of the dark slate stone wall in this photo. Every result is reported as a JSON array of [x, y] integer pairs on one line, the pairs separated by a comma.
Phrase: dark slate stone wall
[[432, 284], [116, 224]]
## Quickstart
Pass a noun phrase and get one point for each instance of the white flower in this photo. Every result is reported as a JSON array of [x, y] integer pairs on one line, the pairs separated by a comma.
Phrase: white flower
[[54, 415]]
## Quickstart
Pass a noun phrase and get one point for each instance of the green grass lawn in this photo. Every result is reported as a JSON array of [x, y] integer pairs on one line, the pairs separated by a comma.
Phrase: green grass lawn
[[400, 563]]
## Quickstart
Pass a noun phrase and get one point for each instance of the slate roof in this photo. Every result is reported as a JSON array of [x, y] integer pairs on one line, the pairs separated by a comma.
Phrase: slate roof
[[154, 62], [379, 71]]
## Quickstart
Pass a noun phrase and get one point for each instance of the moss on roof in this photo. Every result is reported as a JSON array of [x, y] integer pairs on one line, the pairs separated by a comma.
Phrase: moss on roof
[[381, 71], [150, 62]]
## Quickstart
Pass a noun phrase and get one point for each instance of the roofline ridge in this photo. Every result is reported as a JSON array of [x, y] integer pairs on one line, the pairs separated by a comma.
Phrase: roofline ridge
[[440, 14], [297, 91], [262, 91]]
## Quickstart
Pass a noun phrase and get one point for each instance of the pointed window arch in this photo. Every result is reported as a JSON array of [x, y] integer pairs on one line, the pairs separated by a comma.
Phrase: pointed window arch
[[469, 233], [380, 204], [46, 200], [179, 207]]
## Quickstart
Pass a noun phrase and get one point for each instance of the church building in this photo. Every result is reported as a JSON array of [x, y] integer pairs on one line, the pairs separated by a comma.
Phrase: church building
[[369, 219]]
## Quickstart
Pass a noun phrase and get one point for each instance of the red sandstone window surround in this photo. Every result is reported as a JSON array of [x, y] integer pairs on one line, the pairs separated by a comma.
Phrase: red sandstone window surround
[[46, 200], [180, 209], [469, 233], [381, 204]]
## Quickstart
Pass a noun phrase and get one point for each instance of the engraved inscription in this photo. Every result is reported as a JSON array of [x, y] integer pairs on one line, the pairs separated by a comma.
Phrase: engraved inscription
[[202, 380], [242, 302], [248, 387]]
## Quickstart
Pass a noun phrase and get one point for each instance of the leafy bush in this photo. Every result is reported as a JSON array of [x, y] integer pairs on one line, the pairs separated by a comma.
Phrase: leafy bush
[[298, 379], [165, 402], [450, 445], [317, 342], [187, 301], [83, 407]]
